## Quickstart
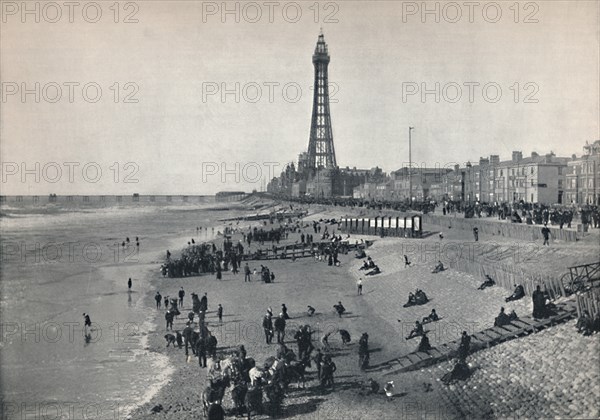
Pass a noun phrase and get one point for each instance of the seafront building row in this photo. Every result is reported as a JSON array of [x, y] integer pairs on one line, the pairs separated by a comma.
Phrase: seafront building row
[[546, 179]]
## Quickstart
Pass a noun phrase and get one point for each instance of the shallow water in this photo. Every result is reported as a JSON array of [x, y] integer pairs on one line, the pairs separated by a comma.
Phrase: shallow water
[[57, 266]]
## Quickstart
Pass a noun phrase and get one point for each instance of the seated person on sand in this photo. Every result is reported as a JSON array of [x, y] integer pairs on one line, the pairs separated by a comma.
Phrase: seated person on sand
[[406, 261], [371, 262], [432, 317], [519, 293], [489, 282], [417, 331], [361, 253], [365, 266], [502, 319], [374, 271], [420, 297], [411, 300], [424, 344], [584, 323], [439, 267], [310, 310]]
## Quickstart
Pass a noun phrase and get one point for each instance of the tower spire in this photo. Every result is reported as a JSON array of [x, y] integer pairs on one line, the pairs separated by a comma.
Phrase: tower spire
[[321, 153]]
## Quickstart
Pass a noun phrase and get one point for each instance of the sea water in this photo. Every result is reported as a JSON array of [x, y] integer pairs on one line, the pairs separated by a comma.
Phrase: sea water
[[57, 264]]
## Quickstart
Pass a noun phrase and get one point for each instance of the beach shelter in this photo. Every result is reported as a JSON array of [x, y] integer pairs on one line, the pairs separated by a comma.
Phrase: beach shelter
[[417, 225], [408, 232], [401, 226], [394, 226]]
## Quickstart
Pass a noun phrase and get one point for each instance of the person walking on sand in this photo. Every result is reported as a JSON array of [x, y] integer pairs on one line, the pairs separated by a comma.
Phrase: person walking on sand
[[246, 273], [359, 286], [129, 283], [87, 321], [169, 316], [158, 299], [220, 312], [181, 295]]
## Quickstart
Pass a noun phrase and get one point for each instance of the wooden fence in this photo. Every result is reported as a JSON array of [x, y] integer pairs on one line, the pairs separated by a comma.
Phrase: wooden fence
[[589, 301], [504, 229], [507, 275]]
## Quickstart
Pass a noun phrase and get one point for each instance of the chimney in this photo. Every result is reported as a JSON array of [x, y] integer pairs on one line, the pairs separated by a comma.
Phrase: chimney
[[549, 157], [574, 156], [517, 156], [494, 159], [456, 168], [534, 154], [483, 161]]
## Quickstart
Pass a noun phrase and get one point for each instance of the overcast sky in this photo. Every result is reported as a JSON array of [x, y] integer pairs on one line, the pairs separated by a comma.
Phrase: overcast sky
[[181, 134]]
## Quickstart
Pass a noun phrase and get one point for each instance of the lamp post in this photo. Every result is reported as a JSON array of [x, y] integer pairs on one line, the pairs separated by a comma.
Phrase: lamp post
[[410, 165]]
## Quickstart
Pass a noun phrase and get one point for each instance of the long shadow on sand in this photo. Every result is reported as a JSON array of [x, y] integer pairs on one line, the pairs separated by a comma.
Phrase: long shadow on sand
[[290, 410]]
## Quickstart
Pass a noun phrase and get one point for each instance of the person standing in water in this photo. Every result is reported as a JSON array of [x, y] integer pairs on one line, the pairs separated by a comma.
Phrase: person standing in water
[[129, 284]]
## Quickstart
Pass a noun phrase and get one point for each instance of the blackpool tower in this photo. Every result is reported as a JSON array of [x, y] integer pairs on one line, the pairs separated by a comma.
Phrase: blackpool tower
[[321, 153]]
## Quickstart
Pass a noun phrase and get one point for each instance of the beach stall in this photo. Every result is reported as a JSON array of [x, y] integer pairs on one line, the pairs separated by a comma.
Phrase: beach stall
[[354, 225], [393, 226], [343, 225], [417, 226], [363, 225], [372, 229], [401, 226], [408, 227], [385, 227]]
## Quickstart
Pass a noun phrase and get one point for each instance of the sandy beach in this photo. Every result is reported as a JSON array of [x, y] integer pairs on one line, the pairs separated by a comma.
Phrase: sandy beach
[[377, 311]]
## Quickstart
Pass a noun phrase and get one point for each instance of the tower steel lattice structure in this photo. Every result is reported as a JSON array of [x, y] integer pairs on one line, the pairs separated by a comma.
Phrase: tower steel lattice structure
[[321, 153]]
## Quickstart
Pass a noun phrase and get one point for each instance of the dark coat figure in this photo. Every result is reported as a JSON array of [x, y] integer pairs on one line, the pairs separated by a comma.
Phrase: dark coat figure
[[204, 303], [284, 311], [476, 234], [519, 293], [181, 295], [345, 336], [489, 282], [339, 308], [179, 339], [220, 312], [432, 317], [546, 234], [465, 346], [191, 338], [501, 319], [539, 303], [424, 345], [279, 325], [211, 345], [158, 299], [268, 328], [169, 318], [416, 331], [215, 412], [328, 368], [201, 351]]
